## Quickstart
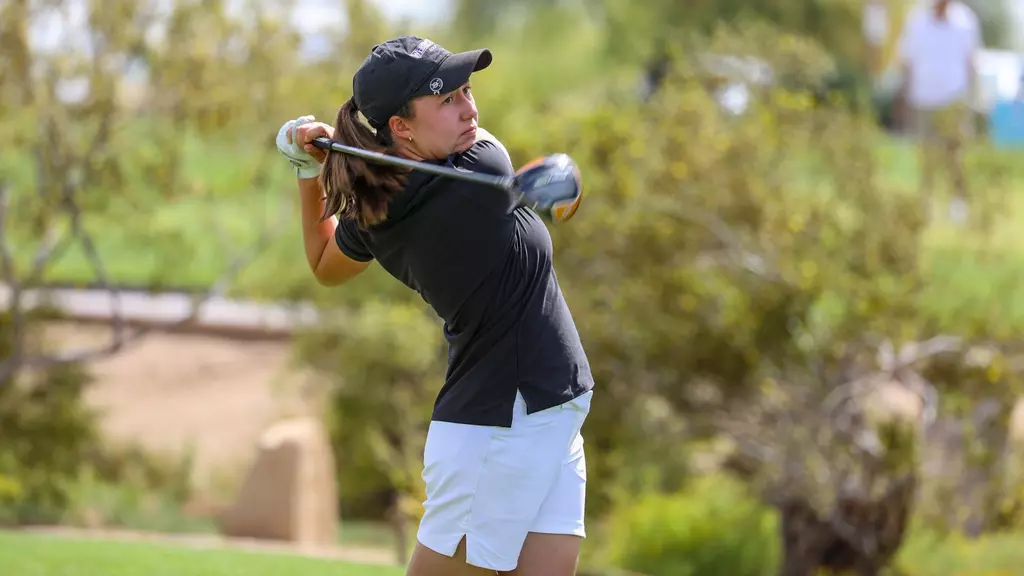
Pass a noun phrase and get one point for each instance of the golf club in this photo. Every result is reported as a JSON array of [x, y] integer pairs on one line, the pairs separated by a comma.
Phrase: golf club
[[507, 183], [549, 185]]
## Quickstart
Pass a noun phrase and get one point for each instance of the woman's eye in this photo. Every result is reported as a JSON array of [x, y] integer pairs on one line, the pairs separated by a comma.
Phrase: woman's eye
[[467, 90], [447, 100]]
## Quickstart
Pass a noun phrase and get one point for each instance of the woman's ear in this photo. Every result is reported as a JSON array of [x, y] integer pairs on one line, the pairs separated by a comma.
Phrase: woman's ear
[[400, 128]]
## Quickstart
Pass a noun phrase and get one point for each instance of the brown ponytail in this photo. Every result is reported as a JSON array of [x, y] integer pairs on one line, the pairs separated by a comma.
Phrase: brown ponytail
[[358, 189]]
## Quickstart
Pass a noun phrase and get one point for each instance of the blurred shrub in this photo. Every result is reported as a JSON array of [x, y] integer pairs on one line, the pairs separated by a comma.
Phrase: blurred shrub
[[54, 466], [127, 487], [10, 490], [386, 363], [130, 464], [45, 434], [712, 527], [133, 503], [714, 250]]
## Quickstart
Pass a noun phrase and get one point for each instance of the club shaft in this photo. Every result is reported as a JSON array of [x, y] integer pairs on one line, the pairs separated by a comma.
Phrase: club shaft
[[503, 182]]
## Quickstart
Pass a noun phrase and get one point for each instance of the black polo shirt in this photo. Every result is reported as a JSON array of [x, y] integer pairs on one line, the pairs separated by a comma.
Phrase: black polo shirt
[[485, 267]]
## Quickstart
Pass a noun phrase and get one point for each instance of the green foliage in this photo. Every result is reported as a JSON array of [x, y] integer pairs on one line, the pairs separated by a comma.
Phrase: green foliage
[[715, 526], [665, 295], [386, 362], [712, 526], [53, 465], [127, 487], [132, 504], [46, 432], [714, 251], [124, 151], [639, 29]]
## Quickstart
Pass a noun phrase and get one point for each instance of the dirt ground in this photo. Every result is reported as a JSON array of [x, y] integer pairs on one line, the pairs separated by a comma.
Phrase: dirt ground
[[178, 392], [213, 396]]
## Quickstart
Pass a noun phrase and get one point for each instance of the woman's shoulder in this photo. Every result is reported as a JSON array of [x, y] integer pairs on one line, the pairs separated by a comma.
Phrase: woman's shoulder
[[486, 155]]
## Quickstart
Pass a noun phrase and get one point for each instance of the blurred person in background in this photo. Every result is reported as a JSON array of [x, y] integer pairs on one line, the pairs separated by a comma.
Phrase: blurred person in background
[[937, 48], [504, 466]]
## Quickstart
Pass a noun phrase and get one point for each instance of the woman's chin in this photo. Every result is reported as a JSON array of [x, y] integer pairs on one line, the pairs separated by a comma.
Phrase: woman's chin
[[464, 144]]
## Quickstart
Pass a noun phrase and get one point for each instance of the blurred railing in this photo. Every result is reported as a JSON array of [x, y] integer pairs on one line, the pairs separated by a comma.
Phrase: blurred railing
[[215, 315]]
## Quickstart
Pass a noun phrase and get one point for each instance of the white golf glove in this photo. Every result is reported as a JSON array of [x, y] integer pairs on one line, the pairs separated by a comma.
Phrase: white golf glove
[[305, 165]]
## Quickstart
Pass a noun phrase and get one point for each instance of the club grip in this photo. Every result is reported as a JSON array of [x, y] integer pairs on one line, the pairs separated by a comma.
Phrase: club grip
[[322, 143]]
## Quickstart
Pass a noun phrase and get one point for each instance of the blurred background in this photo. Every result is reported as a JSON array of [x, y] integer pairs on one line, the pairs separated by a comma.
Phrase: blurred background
[[807, 339]]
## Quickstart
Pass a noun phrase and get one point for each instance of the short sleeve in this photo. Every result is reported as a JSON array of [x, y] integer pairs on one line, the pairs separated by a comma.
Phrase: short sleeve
[[350, 241]]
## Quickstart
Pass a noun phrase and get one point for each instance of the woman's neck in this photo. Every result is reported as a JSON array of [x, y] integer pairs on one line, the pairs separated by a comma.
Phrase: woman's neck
[[407, 150]]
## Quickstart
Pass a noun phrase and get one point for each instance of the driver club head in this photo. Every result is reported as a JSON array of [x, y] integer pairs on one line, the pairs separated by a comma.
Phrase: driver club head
[[551, 186]]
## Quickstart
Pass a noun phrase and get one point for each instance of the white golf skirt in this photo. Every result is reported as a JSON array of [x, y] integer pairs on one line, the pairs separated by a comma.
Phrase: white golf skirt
[[494, 485]]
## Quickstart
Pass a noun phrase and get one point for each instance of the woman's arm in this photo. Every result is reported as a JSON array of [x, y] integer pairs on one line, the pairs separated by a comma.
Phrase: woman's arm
[[329, 265]]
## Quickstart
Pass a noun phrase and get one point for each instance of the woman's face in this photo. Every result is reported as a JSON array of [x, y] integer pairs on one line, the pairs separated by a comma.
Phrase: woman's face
[[441, 125]]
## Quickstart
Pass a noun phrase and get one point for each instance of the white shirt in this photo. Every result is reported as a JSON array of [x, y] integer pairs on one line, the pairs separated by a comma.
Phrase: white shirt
[[938, 53]]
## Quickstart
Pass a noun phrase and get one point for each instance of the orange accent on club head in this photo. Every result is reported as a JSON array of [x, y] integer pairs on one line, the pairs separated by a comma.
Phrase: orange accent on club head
[[535, 162], [560, 212], [565, 211]]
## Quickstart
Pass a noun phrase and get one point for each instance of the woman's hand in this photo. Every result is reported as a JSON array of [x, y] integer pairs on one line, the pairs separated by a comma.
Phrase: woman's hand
[[306, 133], [294, 141]]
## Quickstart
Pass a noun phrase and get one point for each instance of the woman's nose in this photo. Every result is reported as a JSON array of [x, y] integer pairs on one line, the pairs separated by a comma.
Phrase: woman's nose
[[469, 111]]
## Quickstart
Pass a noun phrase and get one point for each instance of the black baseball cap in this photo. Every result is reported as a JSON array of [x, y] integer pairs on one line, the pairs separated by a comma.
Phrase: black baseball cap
[[403, 68]]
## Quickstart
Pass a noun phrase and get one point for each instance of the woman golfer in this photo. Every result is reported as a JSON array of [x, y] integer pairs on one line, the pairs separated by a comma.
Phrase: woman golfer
[[503, 465]]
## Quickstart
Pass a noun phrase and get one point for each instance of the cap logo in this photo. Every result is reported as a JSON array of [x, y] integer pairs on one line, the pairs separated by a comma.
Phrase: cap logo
[[421, 48], [435, 86]]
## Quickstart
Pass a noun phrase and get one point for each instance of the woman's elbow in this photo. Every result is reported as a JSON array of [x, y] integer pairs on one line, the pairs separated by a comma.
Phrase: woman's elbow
[[336, 275], [329, 279]]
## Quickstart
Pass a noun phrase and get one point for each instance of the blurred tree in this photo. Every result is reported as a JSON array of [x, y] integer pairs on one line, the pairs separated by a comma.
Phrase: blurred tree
[[637, 30], [476, 20], [366, 27], [97, 119], [727, 265], [98, 124]]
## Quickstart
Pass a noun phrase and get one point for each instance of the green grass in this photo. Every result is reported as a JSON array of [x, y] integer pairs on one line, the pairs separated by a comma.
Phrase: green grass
[[37, 555], [367, 534], [991, 555]]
